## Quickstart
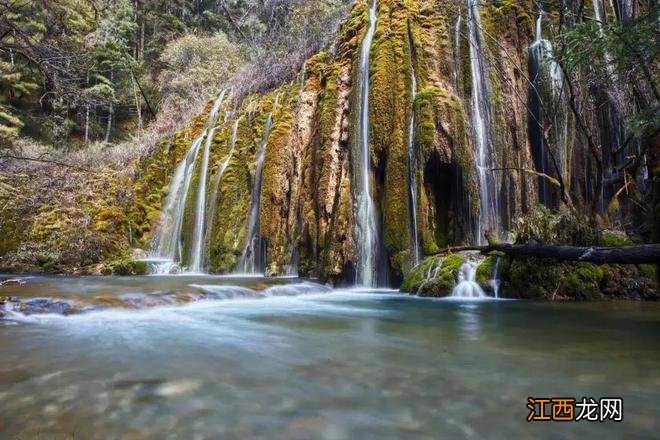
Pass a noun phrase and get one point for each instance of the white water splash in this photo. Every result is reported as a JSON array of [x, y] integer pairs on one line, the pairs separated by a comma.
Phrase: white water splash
[[495, 281], [467, 286]]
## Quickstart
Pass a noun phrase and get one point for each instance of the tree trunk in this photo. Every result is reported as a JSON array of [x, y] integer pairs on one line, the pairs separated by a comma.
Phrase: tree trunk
[[138, 107], [641, 254], [86, 124], [108, 127]]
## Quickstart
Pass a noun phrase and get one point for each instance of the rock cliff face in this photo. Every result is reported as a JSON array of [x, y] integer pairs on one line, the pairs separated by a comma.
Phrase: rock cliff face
[[308, 205], [308, 200]]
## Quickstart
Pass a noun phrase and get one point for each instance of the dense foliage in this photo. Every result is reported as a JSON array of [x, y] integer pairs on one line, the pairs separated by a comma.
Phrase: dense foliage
[[73, 71]]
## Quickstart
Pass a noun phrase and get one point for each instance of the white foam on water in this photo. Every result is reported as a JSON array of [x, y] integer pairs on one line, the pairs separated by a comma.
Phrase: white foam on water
[[467, 286]]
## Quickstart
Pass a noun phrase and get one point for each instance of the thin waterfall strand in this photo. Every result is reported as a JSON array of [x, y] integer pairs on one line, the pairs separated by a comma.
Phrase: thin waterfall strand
[[167, 244], [196, 254], [253, 258], [366, 219], [481, 126], [412, 163], [218, 179]]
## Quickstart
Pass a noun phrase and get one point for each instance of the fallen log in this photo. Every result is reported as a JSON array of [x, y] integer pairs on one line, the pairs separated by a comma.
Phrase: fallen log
[[639, 254]]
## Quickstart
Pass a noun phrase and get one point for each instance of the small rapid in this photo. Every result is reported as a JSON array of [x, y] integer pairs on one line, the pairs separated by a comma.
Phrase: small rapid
[[467, 286]]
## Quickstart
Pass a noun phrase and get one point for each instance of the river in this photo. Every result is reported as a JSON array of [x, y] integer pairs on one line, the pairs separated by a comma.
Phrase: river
[[304, 361]]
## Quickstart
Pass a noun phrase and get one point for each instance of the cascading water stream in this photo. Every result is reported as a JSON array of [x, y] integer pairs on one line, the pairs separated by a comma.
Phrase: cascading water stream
[[412, 163], [166, 248], [366, 216], [167, 245], [218, 179], [495, 280], [467, 286], [196, 254], [253, 259], [540, 58], [481, 126]]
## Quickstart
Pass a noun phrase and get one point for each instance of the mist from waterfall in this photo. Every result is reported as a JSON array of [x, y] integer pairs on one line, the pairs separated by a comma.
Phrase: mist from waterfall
[[481, 126], [253, 259], [366, 215]]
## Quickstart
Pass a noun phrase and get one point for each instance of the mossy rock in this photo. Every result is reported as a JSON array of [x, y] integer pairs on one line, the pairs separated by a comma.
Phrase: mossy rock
[[649, 271], [418, 274], [616, 240], [126, 267], [485, 270], [434, 276], [538, 278]]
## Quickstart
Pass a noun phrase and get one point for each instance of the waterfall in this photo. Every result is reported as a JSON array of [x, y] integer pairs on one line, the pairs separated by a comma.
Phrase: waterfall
[[625, 10], [198, 228], [366, 216], [253, 259], [218, 178], [467, 286], [540, 58], [166, 246], [614, 91], [495, 280], [481, 126], [412, 163], [196, 253]]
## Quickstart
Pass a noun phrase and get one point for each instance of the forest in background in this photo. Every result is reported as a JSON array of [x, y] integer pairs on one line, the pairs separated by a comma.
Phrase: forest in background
[[74, 73]]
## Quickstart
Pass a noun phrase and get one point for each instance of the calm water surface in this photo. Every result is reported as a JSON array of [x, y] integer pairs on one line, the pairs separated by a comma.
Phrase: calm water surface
[[309, 362]]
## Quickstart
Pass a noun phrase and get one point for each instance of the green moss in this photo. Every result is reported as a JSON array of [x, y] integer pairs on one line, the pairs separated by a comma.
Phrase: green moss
[[390, 112], [350, 32], [276, 184], [649, 271], [124, 267], [425, 116], [434, 276], [616, 240], [9, 238], [485, 270], [547, 279], [227, 238], [418, 274]]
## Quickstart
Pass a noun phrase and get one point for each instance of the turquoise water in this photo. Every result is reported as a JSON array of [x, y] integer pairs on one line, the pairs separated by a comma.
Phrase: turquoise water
[[305, 361]]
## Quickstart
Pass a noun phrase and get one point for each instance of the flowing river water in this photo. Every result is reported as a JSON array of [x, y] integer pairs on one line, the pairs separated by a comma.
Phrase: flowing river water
[[288, 358]]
